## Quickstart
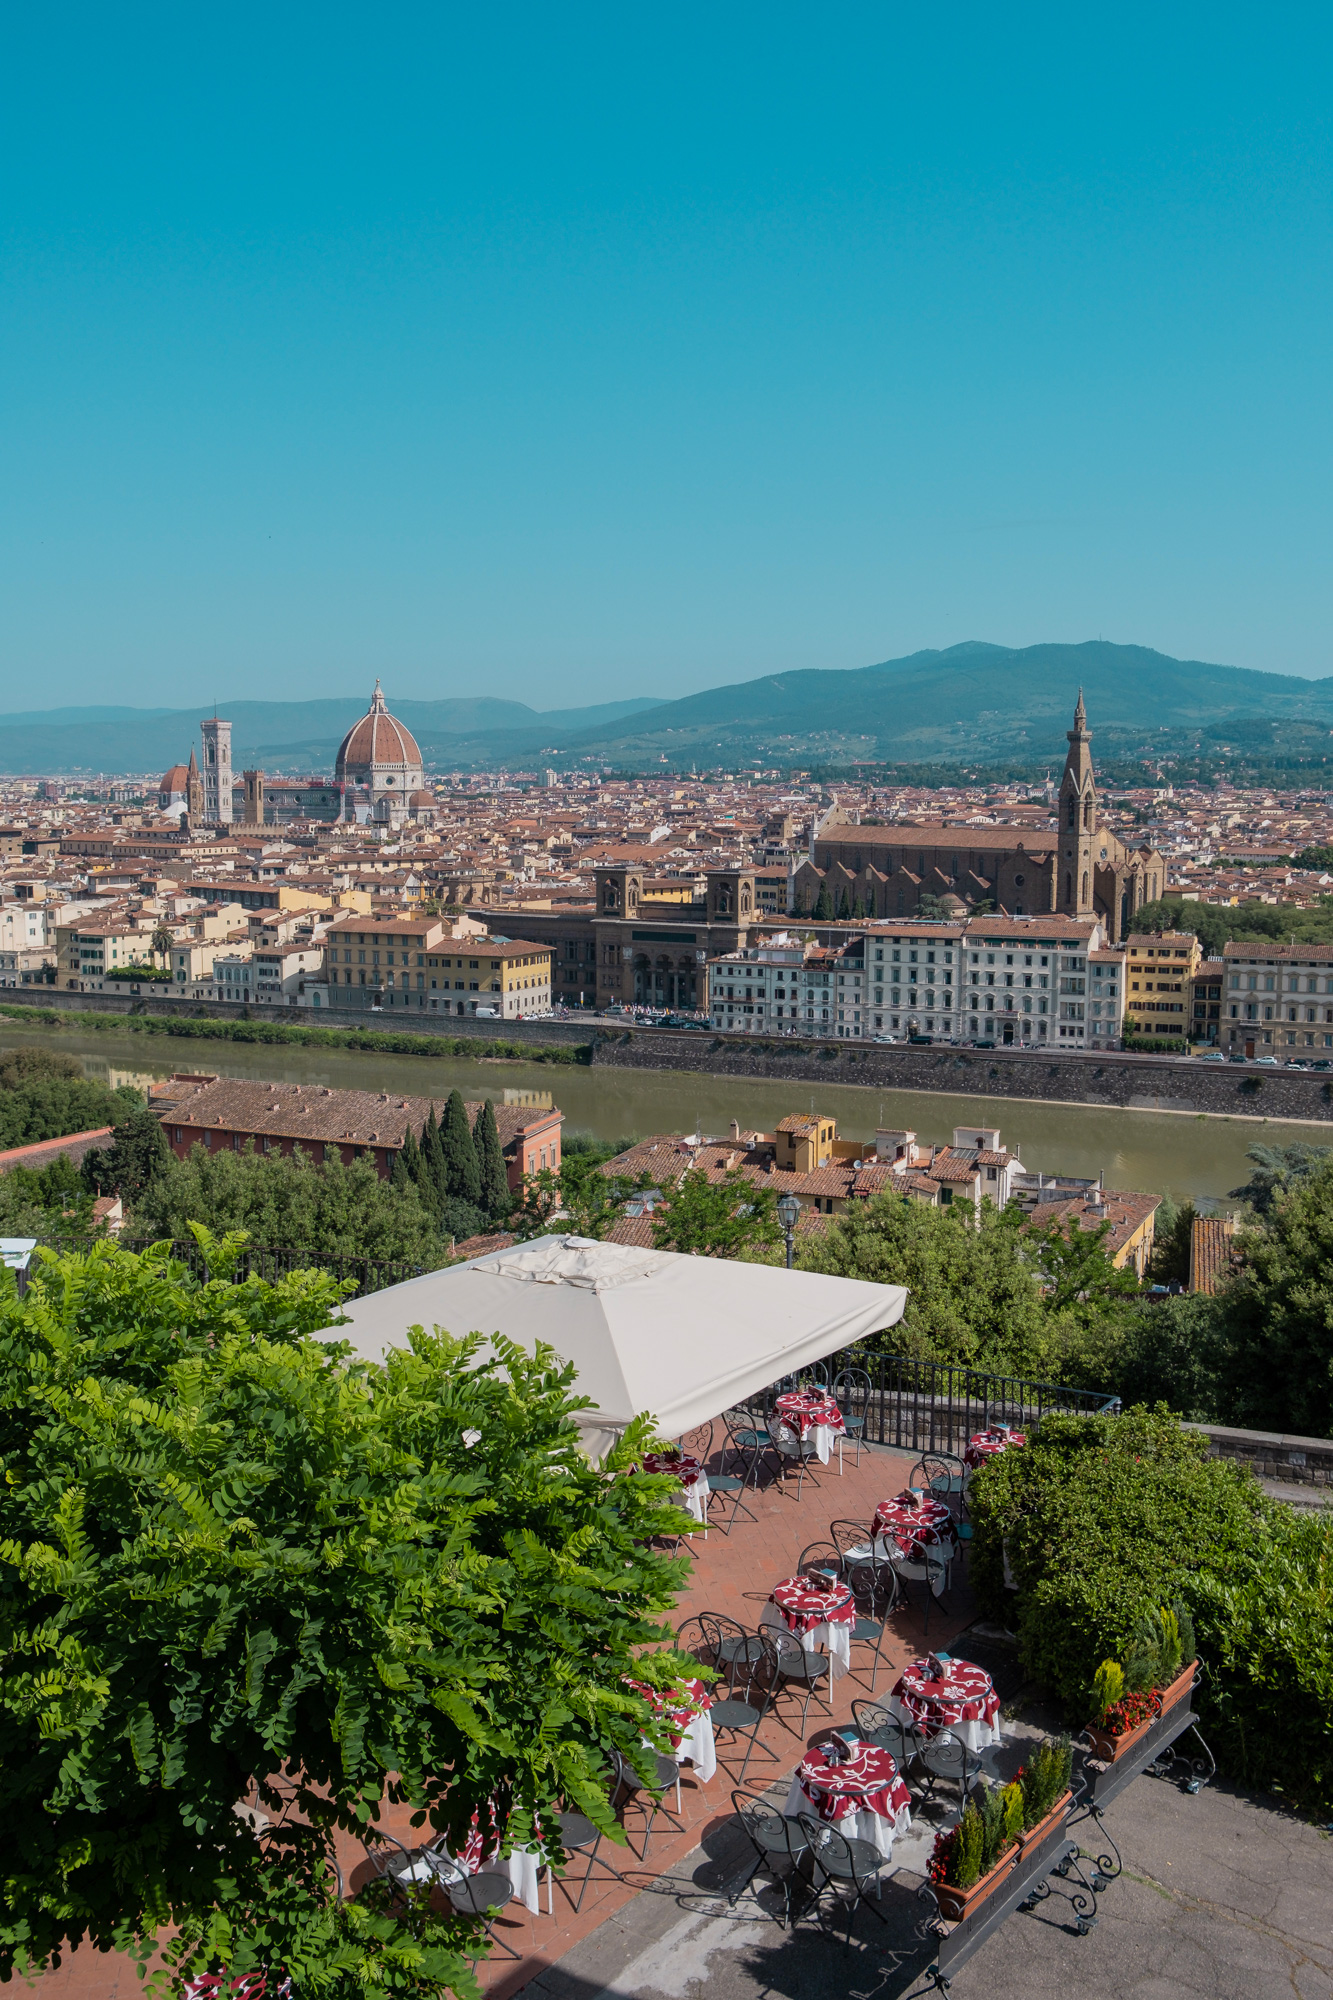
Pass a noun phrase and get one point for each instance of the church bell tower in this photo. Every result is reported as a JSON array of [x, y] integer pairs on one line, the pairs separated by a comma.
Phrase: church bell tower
[[1078, 822]]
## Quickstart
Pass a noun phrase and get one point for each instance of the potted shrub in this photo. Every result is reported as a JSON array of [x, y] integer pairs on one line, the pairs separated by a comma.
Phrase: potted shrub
[[977, 1853], [1044, 1784], [1164, 1656]]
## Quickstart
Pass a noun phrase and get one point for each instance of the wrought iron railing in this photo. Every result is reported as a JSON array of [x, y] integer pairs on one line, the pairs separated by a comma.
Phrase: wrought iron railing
[[371, 1274], [917, 1405]]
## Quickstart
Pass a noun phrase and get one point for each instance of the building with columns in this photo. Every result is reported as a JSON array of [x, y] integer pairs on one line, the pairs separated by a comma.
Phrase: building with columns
[[1077, 869]]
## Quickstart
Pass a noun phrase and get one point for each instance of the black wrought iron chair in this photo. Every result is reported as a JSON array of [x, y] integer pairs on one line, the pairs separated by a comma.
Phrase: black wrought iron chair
[[946, 1759], [791, 1447], [484, 1895], [903, 1740], [412, 1870], [698, 1443], [778, 1844], [842, 1862], [865, 1580], [924, 1565], [748, 1439], [578, 1835], [852, 1392], [789, 1666], [727, 1647], [942, 1475], [630, 1790]]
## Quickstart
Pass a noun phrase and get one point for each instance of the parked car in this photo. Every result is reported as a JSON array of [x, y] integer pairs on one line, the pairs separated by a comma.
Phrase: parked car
[[1239, 1059], [1213, 1055], [1267, 1062], [924, 1041]]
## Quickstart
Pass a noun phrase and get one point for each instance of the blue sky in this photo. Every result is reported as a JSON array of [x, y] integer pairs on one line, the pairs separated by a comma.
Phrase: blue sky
[[571, 353]]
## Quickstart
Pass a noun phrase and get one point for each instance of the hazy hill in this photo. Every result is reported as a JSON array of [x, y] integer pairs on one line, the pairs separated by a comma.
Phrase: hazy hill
[[292, 736], [973, 703]]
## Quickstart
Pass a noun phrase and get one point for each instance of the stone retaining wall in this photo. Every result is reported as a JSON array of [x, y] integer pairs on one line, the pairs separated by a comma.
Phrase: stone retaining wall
[[1134, 1083], [1305, 1461]]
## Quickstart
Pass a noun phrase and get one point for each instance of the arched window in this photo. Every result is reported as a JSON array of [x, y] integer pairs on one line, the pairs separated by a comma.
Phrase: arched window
[[1087, 815], [1069, 888], [1073, 811], [1085, 886]]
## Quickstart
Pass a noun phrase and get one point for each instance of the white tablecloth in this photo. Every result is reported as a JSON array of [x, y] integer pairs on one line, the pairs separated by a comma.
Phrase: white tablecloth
[[837, 1638], [869, 1826], [697, 1744], [695, 1498], [887, 1548], [977, 1736]]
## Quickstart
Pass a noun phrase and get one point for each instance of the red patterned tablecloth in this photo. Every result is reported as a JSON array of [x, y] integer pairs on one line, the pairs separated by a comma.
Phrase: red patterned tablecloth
[[680, 1464], [678, 1704], [966, 1694], [806, 1410], [867, 1782], [986, 1444], [931, 1523], [805, 1603]]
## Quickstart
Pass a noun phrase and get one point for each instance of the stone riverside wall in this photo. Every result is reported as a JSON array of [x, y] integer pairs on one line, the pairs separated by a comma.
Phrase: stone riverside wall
[[1135, 1083], [1306, 1461], [380, 1021]]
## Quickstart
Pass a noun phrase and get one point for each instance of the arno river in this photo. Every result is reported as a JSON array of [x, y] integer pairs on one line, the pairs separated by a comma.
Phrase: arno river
[[1160, 1152]]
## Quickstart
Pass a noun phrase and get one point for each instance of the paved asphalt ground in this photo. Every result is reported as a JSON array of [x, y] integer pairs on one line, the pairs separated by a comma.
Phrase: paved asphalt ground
[[1224, 1896]]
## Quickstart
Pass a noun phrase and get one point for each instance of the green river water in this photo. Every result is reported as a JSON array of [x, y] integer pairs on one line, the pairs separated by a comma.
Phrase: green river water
[[1159, 1152]]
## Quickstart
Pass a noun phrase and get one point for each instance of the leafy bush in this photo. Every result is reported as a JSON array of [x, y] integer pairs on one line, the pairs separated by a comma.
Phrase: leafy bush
[[330, 1210], [1105, 1519], [226, 1551], [1044, 1779]]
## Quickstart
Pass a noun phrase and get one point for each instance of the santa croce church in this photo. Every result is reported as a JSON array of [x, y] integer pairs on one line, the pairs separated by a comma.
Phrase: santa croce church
[[1078, 868]]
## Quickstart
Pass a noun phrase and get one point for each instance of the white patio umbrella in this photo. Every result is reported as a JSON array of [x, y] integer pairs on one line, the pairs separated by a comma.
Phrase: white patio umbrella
[[682, 1337]]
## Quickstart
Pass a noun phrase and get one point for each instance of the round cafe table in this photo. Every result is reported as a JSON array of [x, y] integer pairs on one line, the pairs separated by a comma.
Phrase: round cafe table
[[819, 1615], [865, 1798], [694, 1488], [809, 1414], [904, 1527], [684, 1708], [960, 1698], [989, 1444]]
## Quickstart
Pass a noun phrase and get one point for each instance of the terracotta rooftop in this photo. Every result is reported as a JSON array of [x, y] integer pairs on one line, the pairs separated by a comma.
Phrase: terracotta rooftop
[[1211, 1238], [1126, 1213], [314, 1112]]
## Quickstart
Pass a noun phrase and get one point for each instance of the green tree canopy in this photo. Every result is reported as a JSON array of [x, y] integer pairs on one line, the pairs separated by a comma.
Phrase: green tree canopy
[[703, 1218], [1077, 1266], [330, 1210], [1277, 1314], [137, 1156], [974, 1293], [45, 1095], [462, 1168], [495, 1196], [229, 1552]]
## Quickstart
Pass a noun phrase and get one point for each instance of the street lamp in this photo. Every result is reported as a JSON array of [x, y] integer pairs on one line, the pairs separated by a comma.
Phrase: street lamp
[[789, 1209]]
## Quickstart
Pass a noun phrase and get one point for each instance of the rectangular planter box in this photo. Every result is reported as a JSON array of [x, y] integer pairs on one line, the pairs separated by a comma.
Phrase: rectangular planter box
[[1035, 1835], [961, 1939], [957, 1904], [1111, 1749], [1179, 1690]]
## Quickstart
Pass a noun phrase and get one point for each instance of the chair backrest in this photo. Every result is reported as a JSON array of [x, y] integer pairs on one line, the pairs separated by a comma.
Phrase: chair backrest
[[823, 1557], [699, 1442], [763, 1823], [814, 1375], [849, 1535], [781, 1647], [878, 1726], [851, 1390], [830, 1847]]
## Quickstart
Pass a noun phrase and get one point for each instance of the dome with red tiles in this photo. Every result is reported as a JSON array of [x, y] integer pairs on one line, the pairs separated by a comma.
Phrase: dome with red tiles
[[379, 752]]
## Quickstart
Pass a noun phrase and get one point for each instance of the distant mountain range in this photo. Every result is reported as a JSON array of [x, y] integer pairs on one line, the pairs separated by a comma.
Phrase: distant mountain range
[[970, 704]]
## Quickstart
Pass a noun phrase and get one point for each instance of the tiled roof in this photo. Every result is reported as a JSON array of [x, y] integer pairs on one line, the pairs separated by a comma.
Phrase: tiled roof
[[316, 1113], [1210, 1251], [1126, 1213], [1267, 950]]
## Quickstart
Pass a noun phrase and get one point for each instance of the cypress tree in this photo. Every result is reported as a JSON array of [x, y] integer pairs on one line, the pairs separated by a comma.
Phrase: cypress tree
[[399, 1178], [460, 1153], [823, 904], [844, 907], [494, 1179], [435, 1179]]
